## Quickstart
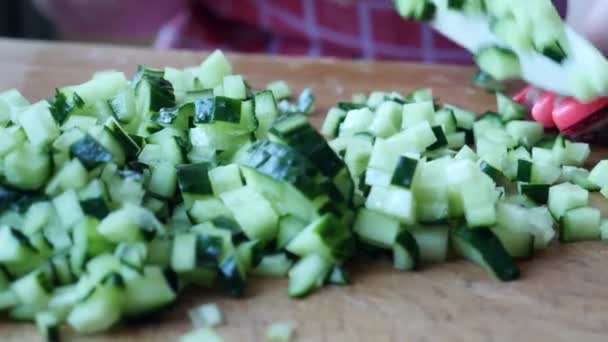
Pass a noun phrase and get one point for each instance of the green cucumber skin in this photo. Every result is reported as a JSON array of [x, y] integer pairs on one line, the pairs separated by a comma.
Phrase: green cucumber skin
[[493, 254]]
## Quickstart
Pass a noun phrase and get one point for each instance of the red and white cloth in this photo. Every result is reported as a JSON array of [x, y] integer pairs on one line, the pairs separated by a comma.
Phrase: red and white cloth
[[366, 29]]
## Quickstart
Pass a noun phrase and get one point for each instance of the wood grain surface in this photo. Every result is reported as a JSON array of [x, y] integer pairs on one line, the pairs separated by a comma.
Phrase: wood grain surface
[[562, 295]]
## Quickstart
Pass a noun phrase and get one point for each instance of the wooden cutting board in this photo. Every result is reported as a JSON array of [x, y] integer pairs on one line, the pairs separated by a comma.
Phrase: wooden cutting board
[[562, 296]]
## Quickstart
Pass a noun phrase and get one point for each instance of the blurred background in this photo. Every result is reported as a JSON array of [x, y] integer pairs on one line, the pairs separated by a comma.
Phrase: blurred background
[[362, 29]]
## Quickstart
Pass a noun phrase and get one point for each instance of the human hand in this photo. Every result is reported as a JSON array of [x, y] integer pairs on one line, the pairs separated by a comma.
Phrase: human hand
[[590, 18]]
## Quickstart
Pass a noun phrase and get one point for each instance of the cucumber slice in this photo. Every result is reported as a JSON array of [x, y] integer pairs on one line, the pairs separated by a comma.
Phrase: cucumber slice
[[499, 62], [406, 253], [581, 224], [307, 274], [566, 196], [433, 243], [483, 248]]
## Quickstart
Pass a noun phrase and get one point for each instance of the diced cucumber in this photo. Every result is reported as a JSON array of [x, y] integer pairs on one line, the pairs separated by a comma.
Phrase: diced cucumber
[[356, 121], [27, 167], [377, 228], [581, 224], [499, 62], [307, 274], [213, 69], [433, 243], [280, 90], [331, 125], [406, 253], [394, 201], [48, 325], [266, 112], [387, 119], [253, 213], [234, 87], [414, 113], [527, 133], [599, 174], [518, 244], [509, 109], [274, 265], [100, 310], [148, 292], [38, 124], [325, 236], [566, 196], [482, 247]]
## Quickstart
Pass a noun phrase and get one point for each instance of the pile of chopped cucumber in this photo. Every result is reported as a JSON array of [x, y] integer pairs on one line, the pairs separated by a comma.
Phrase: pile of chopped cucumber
[[116, 195], [518, 39]]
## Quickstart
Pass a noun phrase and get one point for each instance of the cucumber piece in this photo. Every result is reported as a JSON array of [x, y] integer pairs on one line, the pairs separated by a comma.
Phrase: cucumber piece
[[289, 227], [266, 112], [403, 175], [48, 326], [387, 119], [90, 152], [253, 213], [72, 176], [377, 228], [483, 248], [206, 209], [152, 91], [233, 276], [580, 177], [599, 174], [194, 179], [102, 309], [464, 118], [150, 291], [581, 224], [518, 244], [27, 167], [406, 253], [331, 125], [131, 223], [103, 86], [394, 201], [433, 243], [539, 193], [68, 209], [446, 118], [273, 265], [527, 133], [234, 87], [33, 289], [417, 112], [441, 140], [500, 63], [38, 124], [509, 109], [280, 90], [326, 236], [478, 202], [566, 196], [356, 121], [307, 274]]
